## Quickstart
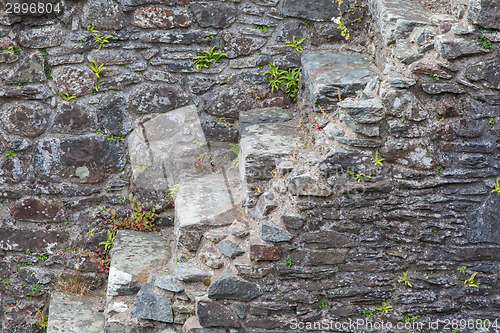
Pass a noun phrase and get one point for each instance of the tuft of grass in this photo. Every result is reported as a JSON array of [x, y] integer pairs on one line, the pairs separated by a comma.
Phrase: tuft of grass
[[296, 44], [67, 96], [74, 284], [288, 79]]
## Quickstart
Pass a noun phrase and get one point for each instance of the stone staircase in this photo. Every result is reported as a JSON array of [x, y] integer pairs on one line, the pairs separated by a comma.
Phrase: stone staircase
[[223, 224]]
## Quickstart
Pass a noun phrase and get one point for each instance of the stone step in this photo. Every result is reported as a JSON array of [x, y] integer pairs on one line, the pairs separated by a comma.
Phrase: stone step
[[330, 77], [134, 258], [74, 314], [396, 19]]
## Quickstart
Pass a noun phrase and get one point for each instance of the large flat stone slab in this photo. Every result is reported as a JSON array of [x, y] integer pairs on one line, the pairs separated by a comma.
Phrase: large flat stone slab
[[327, 75], [396, 19], [73, 314], [198, 206], [162, 150], [133, 254]]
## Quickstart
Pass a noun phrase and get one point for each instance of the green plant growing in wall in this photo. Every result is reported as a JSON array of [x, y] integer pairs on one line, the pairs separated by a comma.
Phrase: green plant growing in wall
[[95, 88], [483, 41], [296, 44], [359, 176], [322, 304], [259, 27], [434, 77], [48, 71], [461, 269], [208, 58], [341, 22], [67, 96], [470, 281], [404, 279], [308, 24], [289, 262], [288, 79], [385, 308], [110, 240], [368, 313], [95, 67], [497, 186], [101, 40], [235, 148], [492, 121], [13, 49], [408, 317], [11, 154], [377, 160]]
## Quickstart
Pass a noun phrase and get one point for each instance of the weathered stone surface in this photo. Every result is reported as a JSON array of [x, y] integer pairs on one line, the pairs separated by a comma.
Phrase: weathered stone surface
[[184, 38], [225, 101], [112, 57], [483, 224], [439, 88], [188, 272], [488, 71], [192, 325], [451, 48], [213, 14], [371, 130], [77, 81], [213, 314], [306, 184], [236, 45], [148, 305], [320, 258], [134, 3], [230, 249], [404, 52], [238, 229], [322, 10], [211, 258], [64, 156], [403, 104], [37, 275], [158, 17], [362, 143], [262, 252], [291, 220], [327, 74], [112, 114], [168, 282], [325, 240], [132, 253], [484, 13], [270, 232], [43, 37], [198, 205], [396, 19], [260, 116], [22, 240], [229, 286], [414, 153], [70, 313], [38, 210], [264, 205], [399, 81], [103, 14], [30, 69], [74, 118], [368, 111], [29, 119], [157, 98]]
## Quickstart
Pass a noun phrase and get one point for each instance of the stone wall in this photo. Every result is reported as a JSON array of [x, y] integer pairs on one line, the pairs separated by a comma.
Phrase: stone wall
[[428, 211]]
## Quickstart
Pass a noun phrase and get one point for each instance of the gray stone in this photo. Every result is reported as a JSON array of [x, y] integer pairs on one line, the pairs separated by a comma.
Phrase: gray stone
[[29, 119], [30, 69], [368, 111], [213, 314], [199, 206], [445, 87], [396, 19], [230, 249], [328, 75], [36, 275], [399, 81], [158, 17], [70, 313], [489, 71], [112, 57], [306, 184], [332, 130], [76, 81], [133, 253], [168, 282], [225, 101], [362, 143], [181, 37], [236, 45], [238, 229], [157, 98], [291, 220], [264, 205], [260, 116], [452, 48], [371, 130], [188, 272], [43, 37], [134, 3], [211, 258], [148, 305], [22, 240], [74, 118], [104, 15], [404, 52], [213, 14], [65, 60], [325, 239], [112, 115], [403, 104], [322, 10], [270, 232], [483, 225], [484, 13], [409, 152], [229, 286]]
